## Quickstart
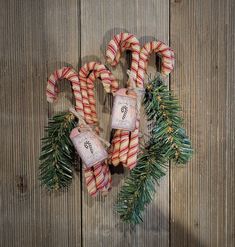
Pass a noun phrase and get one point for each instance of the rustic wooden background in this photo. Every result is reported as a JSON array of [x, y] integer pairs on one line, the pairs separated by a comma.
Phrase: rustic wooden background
[[194, 206]]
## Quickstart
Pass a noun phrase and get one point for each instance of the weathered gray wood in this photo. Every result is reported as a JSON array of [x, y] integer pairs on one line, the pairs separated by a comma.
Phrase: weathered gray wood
[[202, 195], [63, 49], [229, 178], [39, 36], [100, 20], [36, 38]]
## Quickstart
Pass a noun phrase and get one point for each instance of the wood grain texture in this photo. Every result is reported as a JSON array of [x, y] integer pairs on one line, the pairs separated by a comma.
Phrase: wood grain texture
[[36, 38], [62, 30], [148, 20], [194, 206], [202, 195]]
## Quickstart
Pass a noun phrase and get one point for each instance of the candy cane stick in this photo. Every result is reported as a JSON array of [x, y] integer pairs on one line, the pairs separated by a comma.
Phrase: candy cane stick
[[118, 44], [90, 181], [70, 74], [167, 55], [98, 70], [108, 177], [91, 96], [88, 74], [107, 78], [51, 92], [85, 102], [116, 143], [97, 170]]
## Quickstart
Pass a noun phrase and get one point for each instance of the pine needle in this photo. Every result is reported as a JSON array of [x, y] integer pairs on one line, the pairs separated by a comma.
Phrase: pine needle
[[57, 152]]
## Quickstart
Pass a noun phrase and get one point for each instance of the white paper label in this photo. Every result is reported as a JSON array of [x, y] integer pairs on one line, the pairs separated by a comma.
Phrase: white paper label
[[124, 112], [89, 148]]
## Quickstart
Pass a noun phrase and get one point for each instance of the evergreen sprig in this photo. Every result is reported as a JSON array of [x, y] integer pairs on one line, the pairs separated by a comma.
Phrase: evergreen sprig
[[57, 152], [163, 108], [168, 141]]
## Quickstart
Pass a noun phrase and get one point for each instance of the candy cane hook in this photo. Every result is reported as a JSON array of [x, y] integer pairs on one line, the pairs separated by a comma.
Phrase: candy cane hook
[[94, 182], [63, 73], [166, 54], [87, 76], [120, 43]]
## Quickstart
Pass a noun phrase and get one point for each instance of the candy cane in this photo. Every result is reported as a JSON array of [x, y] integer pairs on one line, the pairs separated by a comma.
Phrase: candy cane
[[51, 92], [110, 85], [167, 58], [91, 95], [90, 72], [107, 79], [69, 74], [93, 180], [120, 43], [87, 75], [116, 143], [121, 144], [90, 181]]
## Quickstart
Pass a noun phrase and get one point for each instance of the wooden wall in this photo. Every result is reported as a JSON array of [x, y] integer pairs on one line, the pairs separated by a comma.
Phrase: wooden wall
[[194, 206]]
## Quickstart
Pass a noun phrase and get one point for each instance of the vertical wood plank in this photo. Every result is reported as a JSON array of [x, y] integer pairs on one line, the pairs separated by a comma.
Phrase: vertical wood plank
[[62, 30], [229, 179], [22, 117], [202, 195], [101, 20], [36, 38], [39, 36]]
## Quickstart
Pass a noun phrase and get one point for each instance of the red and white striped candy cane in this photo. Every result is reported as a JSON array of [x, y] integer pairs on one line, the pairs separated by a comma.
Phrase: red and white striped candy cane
[[167, 58], [87, 75], [69, 74], [110, 84], [120, 43], [90, 72], [115, 148], [51, 92], [94, 182], [90, 181]]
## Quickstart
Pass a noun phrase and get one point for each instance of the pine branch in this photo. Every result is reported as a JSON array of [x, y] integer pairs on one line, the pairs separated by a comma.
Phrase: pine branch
[[138, 189], [57, 152], [168, 142], [163, 108]]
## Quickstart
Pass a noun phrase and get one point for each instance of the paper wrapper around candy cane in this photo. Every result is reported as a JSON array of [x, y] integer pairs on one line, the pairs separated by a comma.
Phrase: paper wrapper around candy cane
[[88, 146]]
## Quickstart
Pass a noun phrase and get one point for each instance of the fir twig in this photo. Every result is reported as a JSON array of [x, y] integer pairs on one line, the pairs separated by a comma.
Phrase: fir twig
[[168, 142], [163, 108], [57, 152], [139, 187]]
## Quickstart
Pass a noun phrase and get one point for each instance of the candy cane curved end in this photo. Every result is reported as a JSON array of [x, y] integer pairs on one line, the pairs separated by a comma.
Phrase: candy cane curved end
[[120, 43], [166, 53], [89, 72], [64, 73], [93, 70]]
